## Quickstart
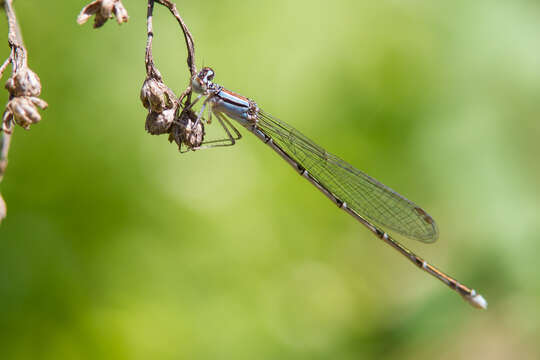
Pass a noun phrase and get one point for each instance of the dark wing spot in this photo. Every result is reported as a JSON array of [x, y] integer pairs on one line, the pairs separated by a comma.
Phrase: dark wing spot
[[424, 215]]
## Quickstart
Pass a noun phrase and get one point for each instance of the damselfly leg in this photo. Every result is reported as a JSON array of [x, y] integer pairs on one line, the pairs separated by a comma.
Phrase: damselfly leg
[[230, 140]]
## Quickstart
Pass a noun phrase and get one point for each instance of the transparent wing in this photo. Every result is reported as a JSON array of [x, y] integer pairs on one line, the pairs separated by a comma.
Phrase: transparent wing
[[362, 193]]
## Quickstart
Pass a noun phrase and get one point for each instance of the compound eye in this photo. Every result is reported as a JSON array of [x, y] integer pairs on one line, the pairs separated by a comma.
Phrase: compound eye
[[207, 74]]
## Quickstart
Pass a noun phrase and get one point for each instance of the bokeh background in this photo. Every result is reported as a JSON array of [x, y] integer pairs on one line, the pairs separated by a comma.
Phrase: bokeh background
[[118, 247]]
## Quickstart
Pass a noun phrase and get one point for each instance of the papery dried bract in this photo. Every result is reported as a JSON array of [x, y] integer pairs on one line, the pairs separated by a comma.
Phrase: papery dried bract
[[104, 10], [23, 110], [156, 96], [24, 82], [120, 12], [87, 12], [159, 123]]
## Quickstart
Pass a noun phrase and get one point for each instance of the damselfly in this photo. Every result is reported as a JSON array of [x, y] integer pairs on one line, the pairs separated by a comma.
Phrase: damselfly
[[373, 204]]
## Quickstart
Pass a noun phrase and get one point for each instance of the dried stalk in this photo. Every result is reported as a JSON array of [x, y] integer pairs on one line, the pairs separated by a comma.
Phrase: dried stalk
[[14, 34], [187, 35], [24, 89]]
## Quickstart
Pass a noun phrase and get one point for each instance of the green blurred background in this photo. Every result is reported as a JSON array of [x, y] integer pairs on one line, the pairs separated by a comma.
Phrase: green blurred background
[[118, 247]]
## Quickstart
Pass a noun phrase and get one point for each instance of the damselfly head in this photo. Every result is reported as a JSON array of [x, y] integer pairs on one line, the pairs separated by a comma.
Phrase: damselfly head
[[207, 74], [201, 81]]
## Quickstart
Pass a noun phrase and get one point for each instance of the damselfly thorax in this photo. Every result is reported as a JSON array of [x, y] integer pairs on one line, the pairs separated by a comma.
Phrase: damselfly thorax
[[224, 101]]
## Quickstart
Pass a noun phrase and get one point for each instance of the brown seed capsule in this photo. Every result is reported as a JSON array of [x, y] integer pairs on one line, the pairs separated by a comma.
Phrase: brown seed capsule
[[23, 110], [156, 96], [24, 82], [194, 135], [159, 123], [184, 131]]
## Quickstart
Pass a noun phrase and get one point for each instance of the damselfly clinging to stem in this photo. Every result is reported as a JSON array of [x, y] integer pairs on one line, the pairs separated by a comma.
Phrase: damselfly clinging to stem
[[373, 204]]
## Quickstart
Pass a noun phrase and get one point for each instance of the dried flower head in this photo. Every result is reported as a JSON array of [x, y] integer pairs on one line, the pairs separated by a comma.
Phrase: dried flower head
[[23, 109], [104, 10], [24, 82], [187, 131], [156, 96], [160, 123]]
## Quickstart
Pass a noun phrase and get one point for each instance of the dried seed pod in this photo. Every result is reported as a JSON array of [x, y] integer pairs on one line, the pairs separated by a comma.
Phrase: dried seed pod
[[156, 96], [160, 123], [24, 82], [194, 135], [104, 10], [187, 131], [23, 110]]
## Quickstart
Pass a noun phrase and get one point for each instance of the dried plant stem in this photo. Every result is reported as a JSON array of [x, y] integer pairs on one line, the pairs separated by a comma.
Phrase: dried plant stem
[[15, 37], [24, 89], [151, 70], [5, 141], [5, 138], [187, 35], [16, 44], [4, 66]]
